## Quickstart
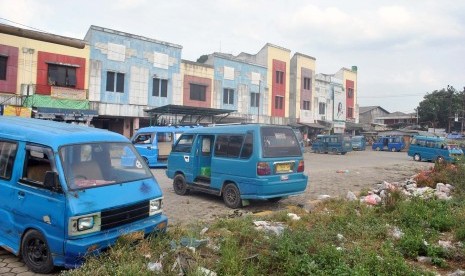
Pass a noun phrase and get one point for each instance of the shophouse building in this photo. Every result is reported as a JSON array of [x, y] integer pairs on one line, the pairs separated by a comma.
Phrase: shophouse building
[[129, 74], [44, 75], [240, 85]]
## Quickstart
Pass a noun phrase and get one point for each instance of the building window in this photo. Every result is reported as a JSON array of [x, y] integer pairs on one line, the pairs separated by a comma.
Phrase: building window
[[350, 112], [59, 75], [350, 92], [322, 108], [278, 102], [115, 80], [160, 88], [307, 83], [3, 64], [198, 92], [254, 99], [280, 77], [306, 105], [228, 96]]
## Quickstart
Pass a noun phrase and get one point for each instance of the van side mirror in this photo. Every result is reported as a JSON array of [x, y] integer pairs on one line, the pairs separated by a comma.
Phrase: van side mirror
[[51, 181]]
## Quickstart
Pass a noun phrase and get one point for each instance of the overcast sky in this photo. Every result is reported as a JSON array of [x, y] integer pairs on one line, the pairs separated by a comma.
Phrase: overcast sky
[[403, 49]]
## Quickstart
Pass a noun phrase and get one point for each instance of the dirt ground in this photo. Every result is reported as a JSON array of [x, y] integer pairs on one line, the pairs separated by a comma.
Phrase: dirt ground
[[361, 170]]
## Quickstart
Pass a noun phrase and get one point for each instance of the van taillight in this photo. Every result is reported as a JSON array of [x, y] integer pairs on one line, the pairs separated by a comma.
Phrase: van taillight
[[301, 166], [263, 168]]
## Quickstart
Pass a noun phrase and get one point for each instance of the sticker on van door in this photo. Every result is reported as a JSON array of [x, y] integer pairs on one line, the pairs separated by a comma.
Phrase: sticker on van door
[[186, 158]]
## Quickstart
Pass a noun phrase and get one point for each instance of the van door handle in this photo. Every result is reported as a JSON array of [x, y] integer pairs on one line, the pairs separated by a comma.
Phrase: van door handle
[[149, 147], [21, 195]]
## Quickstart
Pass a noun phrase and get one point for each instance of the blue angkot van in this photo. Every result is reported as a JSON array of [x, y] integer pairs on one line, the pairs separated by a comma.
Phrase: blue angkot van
[[238, 162], [154, 144], [334, 143], [433, 149], [65, 194]]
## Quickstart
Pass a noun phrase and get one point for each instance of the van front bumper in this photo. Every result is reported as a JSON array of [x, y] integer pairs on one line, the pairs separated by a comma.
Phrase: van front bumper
[[76, 250]]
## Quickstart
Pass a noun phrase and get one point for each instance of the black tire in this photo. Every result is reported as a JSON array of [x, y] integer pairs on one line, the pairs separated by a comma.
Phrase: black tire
[[441, 160], [416, 157], [180, 185], [232, 196], [344, 152], [36, 253], [393, 149]]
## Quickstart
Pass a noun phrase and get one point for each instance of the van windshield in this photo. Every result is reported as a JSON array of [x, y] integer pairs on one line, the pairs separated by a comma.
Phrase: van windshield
[[99, 164], [279, 142]]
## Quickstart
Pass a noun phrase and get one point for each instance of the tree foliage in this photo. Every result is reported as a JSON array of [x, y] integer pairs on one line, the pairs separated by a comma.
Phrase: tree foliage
[[202, 59], [438, 108]]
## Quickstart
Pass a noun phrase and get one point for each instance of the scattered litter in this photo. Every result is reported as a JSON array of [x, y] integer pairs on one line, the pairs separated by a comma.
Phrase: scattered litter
[[251, 257], [351, 196], [396, 233], [204, 230], [155, 266], [276, 228], [323, 197], [423, 259], [148, 256], [191, 242], [205, 271], [372, 199], [447, 245], [340, 237], [293, 216], [458, 272], [342, 171], [339, 248]]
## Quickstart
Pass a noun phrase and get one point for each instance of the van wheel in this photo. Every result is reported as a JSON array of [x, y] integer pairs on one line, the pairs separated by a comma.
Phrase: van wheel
[[417, 157], [232, 196], [179, 185], [36, 253], [344, 152], [378, 149], [440, 159], [393, 149]]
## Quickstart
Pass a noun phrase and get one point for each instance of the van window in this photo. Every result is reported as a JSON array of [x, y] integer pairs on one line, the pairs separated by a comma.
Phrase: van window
[[38, 161], [228, 145], [98, 164], [184, 143], [279, 142], [7, 158], [247, 149], [165, 137], [143, 138]]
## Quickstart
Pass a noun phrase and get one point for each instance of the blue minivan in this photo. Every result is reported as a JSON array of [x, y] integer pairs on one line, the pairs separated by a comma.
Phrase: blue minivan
[[433, 149], [154, 144], [65, 194], [334, 143], [389, 143], [359, 142], [238, 162]]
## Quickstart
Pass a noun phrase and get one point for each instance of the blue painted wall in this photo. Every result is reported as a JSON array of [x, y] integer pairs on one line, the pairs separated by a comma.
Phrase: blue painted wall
[[242, 72], [138, 47]]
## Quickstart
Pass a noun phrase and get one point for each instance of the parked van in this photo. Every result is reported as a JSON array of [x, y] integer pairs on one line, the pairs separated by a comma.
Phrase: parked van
[[65, 194], [335, 143], [390, 143], [433, 149], [154, 144], [238, 162], [358, 142]]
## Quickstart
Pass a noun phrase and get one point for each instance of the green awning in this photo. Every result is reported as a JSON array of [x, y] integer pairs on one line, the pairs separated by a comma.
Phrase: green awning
[[47, 101]]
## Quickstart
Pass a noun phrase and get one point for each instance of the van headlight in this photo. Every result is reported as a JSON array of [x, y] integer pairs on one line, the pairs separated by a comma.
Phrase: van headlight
[[85, 224], [156, 206]]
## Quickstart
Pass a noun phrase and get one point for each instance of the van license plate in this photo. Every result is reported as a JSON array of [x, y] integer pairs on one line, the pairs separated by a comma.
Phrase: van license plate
[[283, 168]]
